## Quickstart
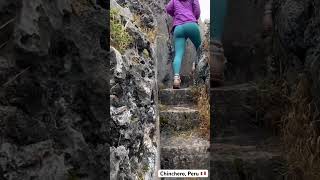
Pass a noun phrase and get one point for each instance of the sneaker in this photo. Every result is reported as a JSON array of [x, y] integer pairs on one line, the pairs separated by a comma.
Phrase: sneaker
[[193, 69], [176, 82]]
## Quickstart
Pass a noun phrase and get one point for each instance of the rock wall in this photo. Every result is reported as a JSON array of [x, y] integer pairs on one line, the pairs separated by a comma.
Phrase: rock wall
[[133, 93], [296, 59], [54, 80], [297, 34]]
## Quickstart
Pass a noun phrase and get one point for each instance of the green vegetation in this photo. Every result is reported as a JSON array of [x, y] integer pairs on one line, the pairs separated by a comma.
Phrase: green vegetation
[[145, 168], [163, 121], [119, 37]]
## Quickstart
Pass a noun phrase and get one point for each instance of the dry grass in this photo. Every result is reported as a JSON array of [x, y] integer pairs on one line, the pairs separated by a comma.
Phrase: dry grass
[[203, 105], [80, 6], [151, 33], [294, 122], [300, 138], [273, 99], [185, 134]]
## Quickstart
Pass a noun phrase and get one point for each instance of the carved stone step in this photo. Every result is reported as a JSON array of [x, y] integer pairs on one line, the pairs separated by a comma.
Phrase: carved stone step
[[179, 118], [184, 152], [176, 96], [233, 110], [232, 162]]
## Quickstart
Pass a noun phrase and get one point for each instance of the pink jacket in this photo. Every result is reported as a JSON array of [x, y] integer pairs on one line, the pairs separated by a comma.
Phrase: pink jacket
[[183, 11]]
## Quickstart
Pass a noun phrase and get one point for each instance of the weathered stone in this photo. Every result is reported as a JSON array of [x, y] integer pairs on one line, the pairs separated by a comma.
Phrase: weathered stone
[[176, 96], [54, 123], [134, 98], [45, 163], [290, 24], [184, 152], [296, 25], [125, 12], [179, 118], [231, 162], [233, 110]]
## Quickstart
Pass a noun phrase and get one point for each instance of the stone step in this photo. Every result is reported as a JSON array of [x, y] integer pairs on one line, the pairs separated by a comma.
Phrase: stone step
[[233, 110], [243, 139], [233, 162], [176, 96], [178, 152], [178, 118]]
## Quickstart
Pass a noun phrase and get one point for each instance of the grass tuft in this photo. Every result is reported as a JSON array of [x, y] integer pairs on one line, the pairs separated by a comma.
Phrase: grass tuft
[[119, 37], [151, 33], [300, 137], [296, 123], [203, 105]]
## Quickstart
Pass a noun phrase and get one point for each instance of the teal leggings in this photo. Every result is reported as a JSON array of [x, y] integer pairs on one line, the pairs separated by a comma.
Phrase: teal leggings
[[219, 10], [181, 34]]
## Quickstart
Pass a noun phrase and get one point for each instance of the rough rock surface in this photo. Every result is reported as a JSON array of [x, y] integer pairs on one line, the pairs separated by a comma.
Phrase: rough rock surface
[[133, 96], [297, 28], [53, 86]]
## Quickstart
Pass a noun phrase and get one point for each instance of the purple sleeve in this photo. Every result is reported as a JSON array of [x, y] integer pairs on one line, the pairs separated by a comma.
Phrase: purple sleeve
[[196, 8], [170, 8]]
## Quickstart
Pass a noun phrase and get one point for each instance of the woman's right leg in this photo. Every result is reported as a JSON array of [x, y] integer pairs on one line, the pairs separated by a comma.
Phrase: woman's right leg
[[179, 43], [192, 31]]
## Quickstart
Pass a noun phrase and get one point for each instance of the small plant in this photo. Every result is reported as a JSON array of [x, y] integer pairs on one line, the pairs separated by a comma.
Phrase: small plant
[[146, 53], [119, 37], [150, 33], [163, 121], [145, 168]]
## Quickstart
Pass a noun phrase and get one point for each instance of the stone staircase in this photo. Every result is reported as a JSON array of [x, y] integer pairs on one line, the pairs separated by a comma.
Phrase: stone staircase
[[181, 146], [241, 148]]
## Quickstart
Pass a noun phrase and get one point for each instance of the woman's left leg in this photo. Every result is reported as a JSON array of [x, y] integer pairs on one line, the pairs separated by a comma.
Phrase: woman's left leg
[[193, 33]]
